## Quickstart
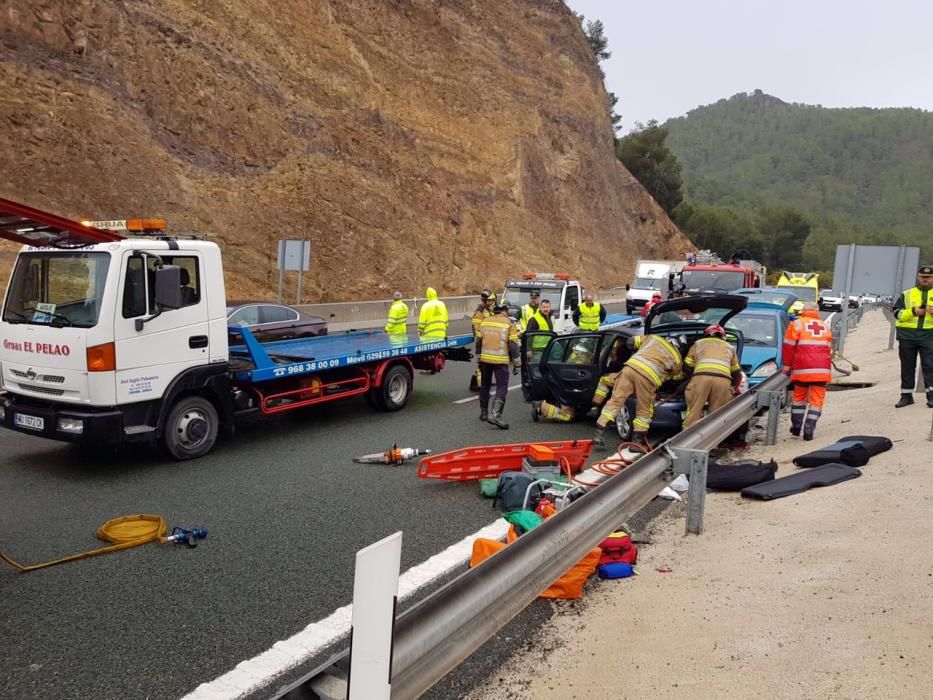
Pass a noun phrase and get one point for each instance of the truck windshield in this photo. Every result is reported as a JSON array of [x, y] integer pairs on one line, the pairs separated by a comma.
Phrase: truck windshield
[[712, 281], [517, 297], [649, 283], [57, 289]]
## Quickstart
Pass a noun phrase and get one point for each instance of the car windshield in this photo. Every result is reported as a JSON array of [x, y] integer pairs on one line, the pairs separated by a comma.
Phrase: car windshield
[[708, 317], [649, 283], [57, 289], [804, 293], [712, 281], [757, 329]]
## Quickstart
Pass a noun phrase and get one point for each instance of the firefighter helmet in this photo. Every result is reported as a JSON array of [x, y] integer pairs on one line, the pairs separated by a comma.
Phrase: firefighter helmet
[[715, 330], [487, 295]]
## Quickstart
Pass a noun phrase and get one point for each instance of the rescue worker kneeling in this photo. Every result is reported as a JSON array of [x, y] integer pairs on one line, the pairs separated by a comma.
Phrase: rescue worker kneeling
[[714, 370], [580, 354], [655, 361], [496, 344]]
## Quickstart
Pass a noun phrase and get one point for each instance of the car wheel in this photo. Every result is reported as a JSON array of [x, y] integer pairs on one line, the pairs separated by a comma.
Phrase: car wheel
[[624, 424], [191, 428], [395, 389]]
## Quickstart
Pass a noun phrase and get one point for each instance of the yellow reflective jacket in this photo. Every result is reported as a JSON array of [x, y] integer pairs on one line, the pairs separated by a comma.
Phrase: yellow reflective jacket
[[498, 340], [432, 321], [398, 316]]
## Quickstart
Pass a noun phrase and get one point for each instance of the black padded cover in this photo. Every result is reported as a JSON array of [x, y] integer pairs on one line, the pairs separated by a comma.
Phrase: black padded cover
[[875, 444], [826, 475], [850, 452], [737, 475]]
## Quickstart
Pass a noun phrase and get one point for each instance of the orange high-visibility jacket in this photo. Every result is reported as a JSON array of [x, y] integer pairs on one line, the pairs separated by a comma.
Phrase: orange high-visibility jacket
[[808, 348]]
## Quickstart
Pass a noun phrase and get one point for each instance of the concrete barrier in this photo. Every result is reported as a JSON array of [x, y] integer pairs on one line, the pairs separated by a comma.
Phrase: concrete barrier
[[361, 313]]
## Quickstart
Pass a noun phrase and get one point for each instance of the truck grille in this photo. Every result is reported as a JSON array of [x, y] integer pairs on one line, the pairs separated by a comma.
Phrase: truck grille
[[48, 391], [50, 378]]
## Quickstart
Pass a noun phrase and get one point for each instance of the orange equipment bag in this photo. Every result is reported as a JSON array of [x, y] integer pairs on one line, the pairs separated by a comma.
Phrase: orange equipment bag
[[569, 586]]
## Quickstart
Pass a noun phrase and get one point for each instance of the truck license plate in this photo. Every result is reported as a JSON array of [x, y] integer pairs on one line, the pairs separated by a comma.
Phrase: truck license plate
[[31, 422]]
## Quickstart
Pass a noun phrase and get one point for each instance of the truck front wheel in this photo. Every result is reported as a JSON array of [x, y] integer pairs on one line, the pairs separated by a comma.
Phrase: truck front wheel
[[392, 394], [191, 428]]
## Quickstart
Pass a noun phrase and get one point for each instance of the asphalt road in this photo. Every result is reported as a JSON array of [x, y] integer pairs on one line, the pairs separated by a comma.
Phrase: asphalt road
[[286, 509]]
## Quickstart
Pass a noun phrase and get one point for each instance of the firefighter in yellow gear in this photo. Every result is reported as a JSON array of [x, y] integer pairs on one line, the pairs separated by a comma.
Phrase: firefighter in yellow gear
[[714, 370], [432, 321], [398, 316], [655, 361], [482, 312], [580, 354], [496, 346]]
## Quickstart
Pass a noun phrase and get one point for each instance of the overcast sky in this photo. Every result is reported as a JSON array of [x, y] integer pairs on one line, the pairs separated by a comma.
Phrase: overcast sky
[[670, 57]]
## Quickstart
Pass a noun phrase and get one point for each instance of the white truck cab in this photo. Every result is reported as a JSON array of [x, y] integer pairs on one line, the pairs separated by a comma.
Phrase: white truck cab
[[97, 337], [564, 294]]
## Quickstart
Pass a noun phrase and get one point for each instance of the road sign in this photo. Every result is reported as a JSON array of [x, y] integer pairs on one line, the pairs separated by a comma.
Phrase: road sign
[[375, 590], [293, 255]]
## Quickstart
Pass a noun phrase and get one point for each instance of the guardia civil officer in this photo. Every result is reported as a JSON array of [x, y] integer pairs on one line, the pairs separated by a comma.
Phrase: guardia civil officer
[[913, 313]]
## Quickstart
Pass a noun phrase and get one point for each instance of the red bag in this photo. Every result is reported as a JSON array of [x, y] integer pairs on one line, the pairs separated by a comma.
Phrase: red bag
[[618, 547]]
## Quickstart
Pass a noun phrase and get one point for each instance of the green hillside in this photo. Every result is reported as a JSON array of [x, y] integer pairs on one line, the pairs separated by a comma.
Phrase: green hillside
[[857, 175]]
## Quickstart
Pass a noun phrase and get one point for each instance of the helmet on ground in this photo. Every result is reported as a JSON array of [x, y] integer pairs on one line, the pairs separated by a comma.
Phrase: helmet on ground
[[715, 330]]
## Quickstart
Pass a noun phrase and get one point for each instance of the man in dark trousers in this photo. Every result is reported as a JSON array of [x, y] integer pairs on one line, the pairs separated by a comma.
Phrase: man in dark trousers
[[496, 345], [913, 313]]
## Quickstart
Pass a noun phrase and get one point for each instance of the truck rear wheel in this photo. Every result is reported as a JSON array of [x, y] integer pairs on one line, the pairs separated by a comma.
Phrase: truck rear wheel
[[395, 389], [191, 428]]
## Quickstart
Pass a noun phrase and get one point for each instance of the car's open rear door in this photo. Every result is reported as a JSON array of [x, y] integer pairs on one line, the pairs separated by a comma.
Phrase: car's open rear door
[[534, 345], [28, 226], [571, 367]]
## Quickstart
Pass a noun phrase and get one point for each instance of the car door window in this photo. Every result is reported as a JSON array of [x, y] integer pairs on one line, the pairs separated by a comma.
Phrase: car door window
[[276, 314], [247, 316]]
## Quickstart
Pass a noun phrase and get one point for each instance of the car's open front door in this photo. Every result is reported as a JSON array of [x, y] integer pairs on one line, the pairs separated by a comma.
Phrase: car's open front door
[[534, 345], [571, 368]]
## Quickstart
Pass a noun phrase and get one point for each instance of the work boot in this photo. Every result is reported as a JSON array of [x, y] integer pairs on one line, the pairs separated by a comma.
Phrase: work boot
[[795, 430], [599, 438], [639, 437], [929, 399], [495, 415], [483, 412], [807, 436], [906, 400], [535, 410]]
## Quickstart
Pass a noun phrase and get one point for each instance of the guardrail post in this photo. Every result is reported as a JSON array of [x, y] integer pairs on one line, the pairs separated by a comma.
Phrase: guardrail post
[[693, 463], [772, 401]]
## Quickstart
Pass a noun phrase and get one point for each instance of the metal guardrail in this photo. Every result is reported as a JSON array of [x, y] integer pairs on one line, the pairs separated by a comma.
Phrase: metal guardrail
[[437, 633]]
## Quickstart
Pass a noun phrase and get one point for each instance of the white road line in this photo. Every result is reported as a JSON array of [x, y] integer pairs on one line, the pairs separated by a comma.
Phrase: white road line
[[253, 674], [476, 398]]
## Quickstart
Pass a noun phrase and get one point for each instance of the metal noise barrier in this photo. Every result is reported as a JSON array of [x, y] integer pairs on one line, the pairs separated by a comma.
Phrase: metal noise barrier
[[436, 634]]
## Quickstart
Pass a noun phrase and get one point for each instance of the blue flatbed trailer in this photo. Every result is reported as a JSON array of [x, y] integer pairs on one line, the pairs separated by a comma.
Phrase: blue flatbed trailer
[[287, 374]]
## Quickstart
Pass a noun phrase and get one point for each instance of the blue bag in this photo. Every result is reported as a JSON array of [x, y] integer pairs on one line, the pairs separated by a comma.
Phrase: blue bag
[[617, 569]]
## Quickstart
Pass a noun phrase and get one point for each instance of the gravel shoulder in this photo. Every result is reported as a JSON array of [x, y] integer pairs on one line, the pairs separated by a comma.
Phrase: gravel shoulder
[[825, 594]]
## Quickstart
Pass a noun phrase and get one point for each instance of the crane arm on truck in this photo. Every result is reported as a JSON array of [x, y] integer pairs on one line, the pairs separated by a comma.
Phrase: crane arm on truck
[[27, 226]]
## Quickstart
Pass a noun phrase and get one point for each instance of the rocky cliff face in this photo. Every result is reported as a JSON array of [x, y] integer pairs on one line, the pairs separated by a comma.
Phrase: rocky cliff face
[[415, 142]]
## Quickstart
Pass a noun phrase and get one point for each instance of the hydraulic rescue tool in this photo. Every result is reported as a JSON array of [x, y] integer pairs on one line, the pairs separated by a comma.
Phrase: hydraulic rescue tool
[[394, 455], [181, 535]]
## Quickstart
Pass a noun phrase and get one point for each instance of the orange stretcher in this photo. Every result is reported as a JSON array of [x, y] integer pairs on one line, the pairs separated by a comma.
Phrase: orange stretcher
[[489, 461]]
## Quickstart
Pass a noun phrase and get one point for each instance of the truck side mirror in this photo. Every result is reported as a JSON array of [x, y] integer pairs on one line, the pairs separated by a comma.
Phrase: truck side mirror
[[628, 287], [168, 287]]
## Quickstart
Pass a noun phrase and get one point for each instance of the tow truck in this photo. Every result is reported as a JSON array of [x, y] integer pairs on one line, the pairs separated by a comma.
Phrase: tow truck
[[109, 339], [564, 293]]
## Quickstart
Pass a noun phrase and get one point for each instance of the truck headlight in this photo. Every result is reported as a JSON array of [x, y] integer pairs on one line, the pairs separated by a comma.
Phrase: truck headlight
[[766, 369], [75, 426]]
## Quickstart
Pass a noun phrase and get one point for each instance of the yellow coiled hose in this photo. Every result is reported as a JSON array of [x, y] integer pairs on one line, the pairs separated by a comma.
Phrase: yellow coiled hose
[[125, 532]]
